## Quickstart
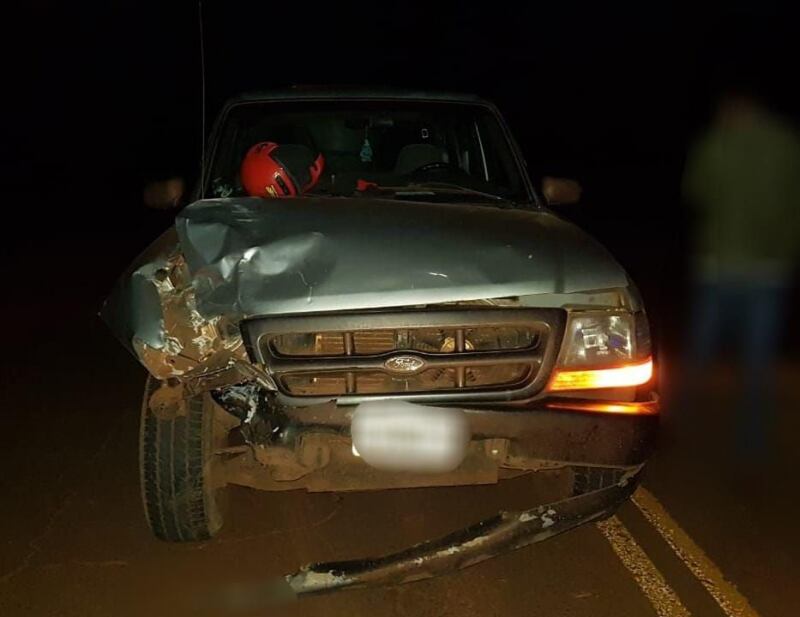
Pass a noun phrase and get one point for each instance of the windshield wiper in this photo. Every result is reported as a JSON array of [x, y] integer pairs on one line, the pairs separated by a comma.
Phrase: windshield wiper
[[447, 186], [431, 188]]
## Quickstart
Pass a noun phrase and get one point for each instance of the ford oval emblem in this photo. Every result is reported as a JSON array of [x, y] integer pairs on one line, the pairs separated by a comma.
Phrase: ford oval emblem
[[404, 364]]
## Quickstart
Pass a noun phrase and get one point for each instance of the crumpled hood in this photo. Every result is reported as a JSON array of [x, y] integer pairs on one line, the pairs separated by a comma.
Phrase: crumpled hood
[[250, 256]]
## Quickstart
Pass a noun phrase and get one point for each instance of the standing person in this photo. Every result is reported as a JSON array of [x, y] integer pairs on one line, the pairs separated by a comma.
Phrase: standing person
[[743, 176]]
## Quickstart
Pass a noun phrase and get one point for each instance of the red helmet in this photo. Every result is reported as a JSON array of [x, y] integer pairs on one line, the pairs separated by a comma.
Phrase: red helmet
[[270, 170]]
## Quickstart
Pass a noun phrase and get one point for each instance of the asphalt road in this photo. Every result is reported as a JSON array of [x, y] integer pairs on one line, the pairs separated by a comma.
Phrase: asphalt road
[[710, 535]]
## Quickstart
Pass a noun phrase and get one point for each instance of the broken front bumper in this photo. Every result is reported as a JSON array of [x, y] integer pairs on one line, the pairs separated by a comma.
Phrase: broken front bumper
[[314, 449], [550, 434]]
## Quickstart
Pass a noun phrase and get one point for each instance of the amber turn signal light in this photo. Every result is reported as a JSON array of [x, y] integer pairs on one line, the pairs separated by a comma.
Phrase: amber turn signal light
[[648, 408], [619, 377]]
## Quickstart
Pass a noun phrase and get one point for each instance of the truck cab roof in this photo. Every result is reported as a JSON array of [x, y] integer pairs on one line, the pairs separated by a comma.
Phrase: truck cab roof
[[313, 92]]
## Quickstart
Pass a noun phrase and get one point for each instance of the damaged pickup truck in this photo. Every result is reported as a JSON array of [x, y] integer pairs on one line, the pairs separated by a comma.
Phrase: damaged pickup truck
[[368, 293]]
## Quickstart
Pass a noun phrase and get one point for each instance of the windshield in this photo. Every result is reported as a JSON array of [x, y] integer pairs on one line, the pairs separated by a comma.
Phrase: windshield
[[400, 150]]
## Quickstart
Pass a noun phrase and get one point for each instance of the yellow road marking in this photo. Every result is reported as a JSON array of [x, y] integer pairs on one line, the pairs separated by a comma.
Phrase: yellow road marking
[[729, 599], [663, 598]]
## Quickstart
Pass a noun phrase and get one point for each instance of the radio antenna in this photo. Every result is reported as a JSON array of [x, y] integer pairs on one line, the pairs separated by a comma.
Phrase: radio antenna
[[202, 98]]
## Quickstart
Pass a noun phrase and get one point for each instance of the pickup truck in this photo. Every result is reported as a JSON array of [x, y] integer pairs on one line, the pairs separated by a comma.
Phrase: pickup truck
[[418, 318]]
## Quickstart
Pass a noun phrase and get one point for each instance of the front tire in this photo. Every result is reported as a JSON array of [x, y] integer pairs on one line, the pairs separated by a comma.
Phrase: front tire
[[180, 499]]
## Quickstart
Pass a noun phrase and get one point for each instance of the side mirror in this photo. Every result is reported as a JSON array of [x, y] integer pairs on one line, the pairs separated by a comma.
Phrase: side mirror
[[164, 194], [560, 190]]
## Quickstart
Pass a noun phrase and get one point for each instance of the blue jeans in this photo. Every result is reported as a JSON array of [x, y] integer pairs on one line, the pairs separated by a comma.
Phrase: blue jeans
[[751, 315]]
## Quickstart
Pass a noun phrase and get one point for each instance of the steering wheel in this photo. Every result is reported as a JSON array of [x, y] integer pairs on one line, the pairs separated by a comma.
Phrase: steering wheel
[[432, 166]]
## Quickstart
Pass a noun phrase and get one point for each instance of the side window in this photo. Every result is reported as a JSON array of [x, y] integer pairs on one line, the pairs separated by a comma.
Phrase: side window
[[478, 154], [499, 160], [220, 182], [471, 156]]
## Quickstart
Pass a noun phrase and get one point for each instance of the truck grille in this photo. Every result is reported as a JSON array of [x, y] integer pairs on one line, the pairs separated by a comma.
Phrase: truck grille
[[426, 340], [379, 382], [410, 354]]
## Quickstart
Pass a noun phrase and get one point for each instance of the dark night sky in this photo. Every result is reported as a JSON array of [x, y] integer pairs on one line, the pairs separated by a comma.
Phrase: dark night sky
[[590, 80], [607, 93], [579, 84]]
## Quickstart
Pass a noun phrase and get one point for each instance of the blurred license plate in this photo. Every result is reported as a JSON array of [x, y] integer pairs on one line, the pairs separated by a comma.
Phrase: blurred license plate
[[401, 436]]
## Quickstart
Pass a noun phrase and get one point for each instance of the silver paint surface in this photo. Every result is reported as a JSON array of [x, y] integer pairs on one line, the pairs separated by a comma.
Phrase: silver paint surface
[[250, 256]]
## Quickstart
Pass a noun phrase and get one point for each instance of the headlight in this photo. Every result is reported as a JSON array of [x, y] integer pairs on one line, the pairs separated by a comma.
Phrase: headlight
[[605, 339], [604, 350]]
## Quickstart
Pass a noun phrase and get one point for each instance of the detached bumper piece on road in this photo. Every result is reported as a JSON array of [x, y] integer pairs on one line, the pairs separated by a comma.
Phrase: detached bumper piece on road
[[461, 549]]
